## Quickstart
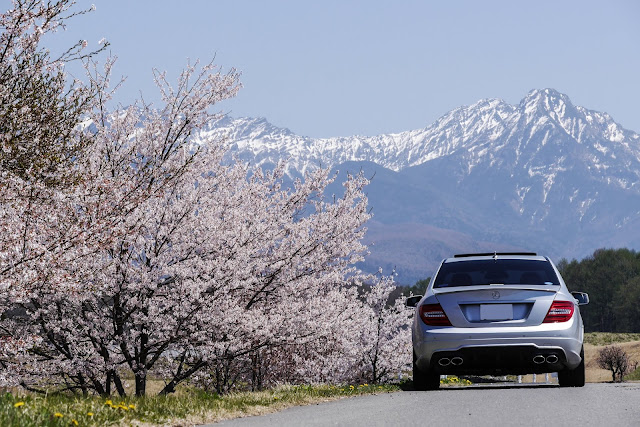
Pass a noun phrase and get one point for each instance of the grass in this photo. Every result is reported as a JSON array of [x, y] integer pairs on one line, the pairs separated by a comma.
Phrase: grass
[[608, 338], [184, 408]]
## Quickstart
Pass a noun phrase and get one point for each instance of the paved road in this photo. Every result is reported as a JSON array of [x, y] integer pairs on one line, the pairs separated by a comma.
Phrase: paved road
[[593, 405]]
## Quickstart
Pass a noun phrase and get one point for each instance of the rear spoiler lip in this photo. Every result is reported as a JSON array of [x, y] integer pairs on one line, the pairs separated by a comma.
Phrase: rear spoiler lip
[[545, 288], [494, 254]]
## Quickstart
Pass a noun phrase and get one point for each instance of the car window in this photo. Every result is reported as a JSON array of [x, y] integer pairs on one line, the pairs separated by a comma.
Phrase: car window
[[490, 271]]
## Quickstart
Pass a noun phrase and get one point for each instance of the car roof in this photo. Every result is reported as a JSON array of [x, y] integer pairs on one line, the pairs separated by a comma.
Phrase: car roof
[[496, 256]]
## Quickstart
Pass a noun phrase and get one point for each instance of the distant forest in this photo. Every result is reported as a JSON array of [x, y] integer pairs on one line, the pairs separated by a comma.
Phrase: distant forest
[[611, 277]]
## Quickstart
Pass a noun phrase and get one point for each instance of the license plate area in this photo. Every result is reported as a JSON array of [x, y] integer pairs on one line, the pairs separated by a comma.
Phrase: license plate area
[[496, 312]]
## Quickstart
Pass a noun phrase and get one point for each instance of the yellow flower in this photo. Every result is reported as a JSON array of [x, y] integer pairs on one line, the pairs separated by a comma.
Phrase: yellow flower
[[108, 402], [122, 407], [58, 415], [18, 404], [75, 423], [90, 414], [132, 406], [366, 385]]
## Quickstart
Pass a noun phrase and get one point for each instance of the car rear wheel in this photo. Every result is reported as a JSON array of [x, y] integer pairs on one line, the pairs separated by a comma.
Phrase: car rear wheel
[[573, 377], [424, 380]]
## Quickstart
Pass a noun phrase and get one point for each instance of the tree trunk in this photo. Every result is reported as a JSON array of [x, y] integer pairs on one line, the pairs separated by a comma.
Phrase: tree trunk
[[256, 371], [141, 382], [181, 376], [107, 390], [169, 388], [119, 386]]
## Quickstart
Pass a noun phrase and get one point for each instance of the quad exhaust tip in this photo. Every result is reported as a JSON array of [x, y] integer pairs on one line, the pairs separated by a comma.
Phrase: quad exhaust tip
[[539, 359], [445, 361], [552, 358], [456, 361]]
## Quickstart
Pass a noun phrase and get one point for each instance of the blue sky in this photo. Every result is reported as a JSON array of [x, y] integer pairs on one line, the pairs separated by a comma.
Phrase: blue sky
[[367, 67]]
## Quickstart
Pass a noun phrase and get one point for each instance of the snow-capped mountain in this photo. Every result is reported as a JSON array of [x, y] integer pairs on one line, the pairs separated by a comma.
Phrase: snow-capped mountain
[[480, 129], [542, 175]]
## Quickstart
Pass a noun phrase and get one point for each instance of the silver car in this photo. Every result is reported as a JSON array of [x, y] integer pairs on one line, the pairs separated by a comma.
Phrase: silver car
[[497, 314]]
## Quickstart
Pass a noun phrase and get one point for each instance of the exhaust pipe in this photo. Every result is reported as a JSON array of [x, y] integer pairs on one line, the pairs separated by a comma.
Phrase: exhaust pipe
[[552, 358], [539, 359], [457, 361], [445, 361]]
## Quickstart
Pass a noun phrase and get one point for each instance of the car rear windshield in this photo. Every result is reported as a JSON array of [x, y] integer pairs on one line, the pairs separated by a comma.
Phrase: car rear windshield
[[500, 271]]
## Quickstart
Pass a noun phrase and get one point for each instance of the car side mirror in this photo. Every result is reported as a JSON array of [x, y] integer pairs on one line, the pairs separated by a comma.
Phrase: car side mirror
[[413, 301], [581, 297]]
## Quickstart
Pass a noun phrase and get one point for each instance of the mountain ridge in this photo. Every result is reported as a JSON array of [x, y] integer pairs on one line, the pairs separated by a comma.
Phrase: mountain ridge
[[458, 128]]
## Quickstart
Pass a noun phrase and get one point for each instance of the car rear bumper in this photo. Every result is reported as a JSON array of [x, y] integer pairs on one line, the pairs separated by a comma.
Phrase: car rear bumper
[[498, 350]]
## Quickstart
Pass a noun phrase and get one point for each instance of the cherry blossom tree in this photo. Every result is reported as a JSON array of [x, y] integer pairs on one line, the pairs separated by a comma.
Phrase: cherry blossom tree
[[41, 151], [41, 144], [142, 165], [203, 250], [139, 246], [41, 108], [366, 341], [385, 337]]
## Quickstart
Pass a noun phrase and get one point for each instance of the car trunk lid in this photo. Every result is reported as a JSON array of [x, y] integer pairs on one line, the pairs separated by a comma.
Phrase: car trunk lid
[[496, 305]]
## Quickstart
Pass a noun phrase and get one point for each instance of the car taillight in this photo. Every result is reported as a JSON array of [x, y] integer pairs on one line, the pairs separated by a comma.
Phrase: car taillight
[[560, 311], [433, 315]]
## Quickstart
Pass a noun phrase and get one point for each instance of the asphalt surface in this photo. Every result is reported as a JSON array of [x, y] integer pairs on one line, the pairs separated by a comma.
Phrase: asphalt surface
[[533, 405]]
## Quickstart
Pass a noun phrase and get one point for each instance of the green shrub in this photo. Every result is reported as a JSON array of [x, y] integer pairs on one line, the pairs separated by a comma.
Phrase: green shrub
[[633, 376]]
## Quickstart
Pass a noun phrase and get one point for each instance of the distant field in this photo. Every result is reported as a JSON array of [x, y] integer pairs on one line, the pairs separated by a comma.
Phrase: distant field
[[607, 338], [594, 341]]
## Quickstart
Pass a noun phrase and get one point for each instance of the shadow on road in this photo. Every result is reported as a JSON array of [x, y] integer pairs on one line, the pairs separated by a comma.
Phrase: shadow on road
[[486, 385]]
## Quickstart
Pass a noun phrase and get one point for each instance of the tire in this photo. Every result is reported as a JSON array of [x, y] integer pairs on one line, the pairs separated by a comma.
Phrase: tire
[[573, 377], [424, 380]]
